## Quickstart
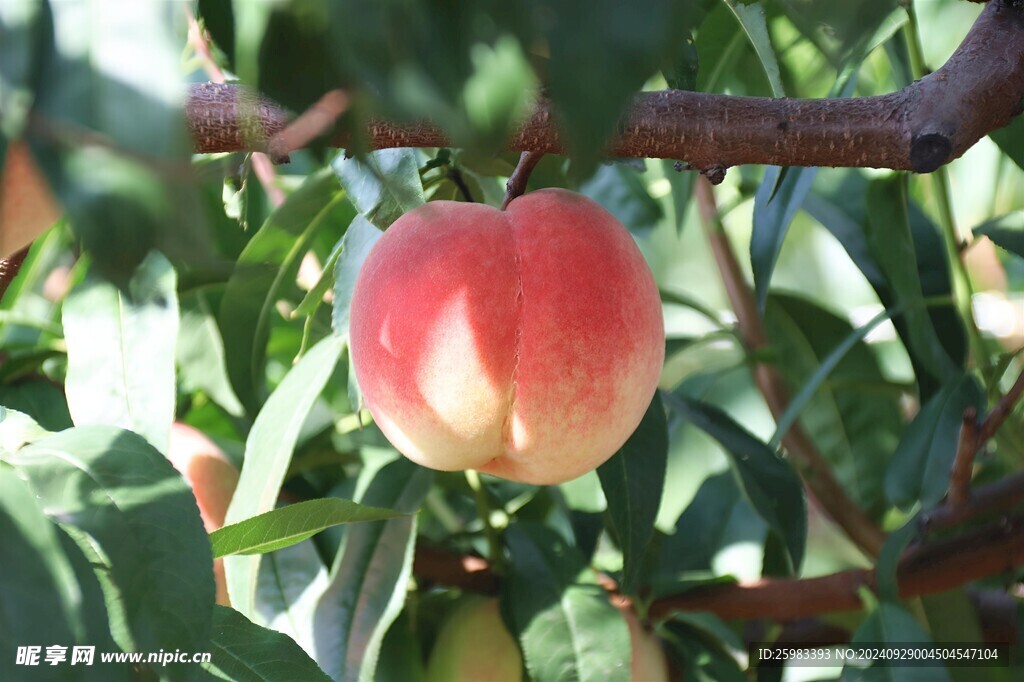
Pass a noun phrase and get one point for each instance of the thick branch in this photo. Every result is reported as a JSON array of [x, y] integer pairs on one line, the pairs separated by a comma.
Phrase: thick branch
[[924, 569], [920, 127]]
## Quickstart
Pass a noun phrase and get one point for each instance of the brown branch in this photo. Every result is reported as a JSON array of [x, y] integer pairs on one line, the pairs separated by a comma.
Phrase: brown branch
[[963, 463], [1000, 496], [1002, 411], [920, 127], [926, 568], [516, 185], [816, 473]]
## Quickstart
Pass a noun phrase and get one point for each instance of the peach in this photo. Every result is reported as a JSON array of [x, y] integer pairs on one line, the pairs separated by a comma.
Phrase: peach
[[213, 479], [27, 206], [524, 343], [474, 646]]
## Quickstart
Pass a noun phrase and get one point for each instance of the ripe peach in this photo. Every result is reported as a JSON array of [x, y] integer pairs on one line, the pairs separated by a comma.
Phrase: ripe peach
[[27, 206], [649, 663], [213, 478], [524, 343]]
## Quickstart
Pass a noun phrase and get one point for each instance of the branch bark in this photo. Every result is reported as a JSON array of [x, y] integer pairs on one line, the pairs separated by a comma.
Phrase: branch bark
[[921, 127]]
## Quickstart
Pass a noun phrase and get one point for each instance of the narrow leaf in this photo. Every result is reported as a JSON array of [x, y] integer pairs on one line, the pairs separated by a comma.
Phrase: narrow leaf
[[369, 576], [1006, 231], [632, 481], [290, 525], [268, 450], [772, 487]]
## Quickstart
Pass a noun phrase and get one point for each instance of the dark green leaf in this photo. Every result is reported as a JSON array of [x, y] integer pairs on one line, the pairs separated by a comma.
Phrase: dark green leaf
[[384, 185], [621, 190], [561, 616], [632, 481], [268, 451], [43, 401], [291, 524], [855, 423], [369, 576], [776, 203], [121, 351], [1011, 140], [772, 487], [751, 17], [242, 651], [891, 244], [1006, 231], [919, 469], [264, 274], [20, 43], [132, 511]]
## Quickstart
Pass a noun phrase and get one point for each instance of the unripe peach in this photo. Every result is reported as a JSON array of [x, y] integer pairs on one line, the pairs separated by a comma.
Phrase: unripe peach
[[524, 343], [213, 478], [27, 206], [475, 646]]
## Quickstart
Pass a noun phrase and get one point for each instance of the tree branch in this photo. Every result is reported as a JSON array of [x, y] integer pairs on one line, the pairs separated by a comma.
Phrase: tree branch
[[920, 127], [926, 568]]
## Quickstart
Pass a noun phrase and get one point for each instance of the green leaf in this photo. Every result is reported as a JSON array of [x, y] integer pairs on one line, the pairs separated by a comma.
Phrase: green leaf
[[919, 469], [290, 584], [17, 429], [136, 518], [621, 190], [855, 424], [561, 616], [355, 247], [202, 365], [591, 86], [891, 245], [268, 451], [752, 18], [242, 651], [632, 481], [265, 273], [778, 198], [369, 576], [773, 488], [37, 584], [889, 623], [384, 185], [1006, 231], [121, 351], [499, 92], [702, 659], [1011, 140], [290, 525], [42, 400]]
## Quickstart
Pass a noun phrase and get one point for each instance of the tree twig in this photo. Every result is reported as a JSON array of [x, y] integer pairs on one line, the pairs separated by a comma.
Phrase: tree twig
[[817, 474], [1002, 411], [516, 185], [963, 462], [999, 496], [920, 127]]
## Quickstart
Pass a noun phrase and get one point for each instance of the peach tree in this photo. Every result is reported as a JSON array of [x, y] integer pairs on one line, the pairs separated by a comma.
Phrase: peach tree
[[698, 324]]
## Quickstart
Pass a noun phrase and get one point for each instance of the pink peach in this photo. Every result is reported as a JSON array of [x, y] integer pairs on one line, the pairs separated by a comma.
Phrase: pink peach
[[524, 343]]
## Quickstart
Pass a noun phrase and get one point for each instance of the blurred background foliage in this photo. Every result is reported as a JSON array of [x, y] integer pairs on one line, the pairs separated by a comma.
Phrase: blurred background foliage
[[257, 268]]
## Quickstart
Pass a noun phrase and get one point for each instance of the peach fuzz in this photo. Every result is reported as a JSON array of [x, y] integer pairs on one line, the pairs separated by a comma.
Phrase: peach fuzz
[[213, 479], [524, 343]]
